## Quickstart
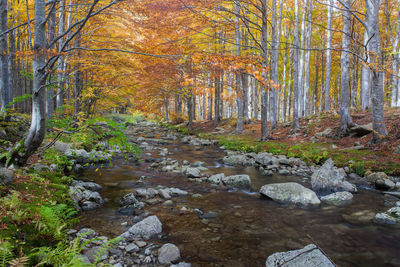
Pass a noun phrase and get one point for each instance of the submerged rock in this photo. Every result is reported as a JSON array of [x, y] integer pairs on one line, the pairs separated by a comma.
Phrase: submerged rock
[[241, 181], [236, 160], [216, 178], [128, 199], [309, 256], [168, 253], [290, 193], [391, 216], [338, 198], [329, 179]]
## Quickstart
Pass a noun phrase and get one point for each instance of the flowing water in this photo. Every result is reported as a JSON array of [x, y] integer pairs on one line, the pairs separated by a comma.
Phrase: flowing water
[[248, 228]]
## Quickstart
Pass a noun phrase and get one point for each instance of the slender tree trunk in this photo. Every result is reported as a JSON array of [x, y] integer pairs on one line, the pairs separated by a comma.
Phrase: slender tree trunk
[[13, 90], [239, 89], [301, 64], [60, 62], [190, 109], [307, 59], [395, 100], [345, 119], [365, 79], [328, 57], [50, 88], [4, 57], [296, 68], [217, 96], [274, 66], [264, 93], [78, 81], [36, 133], [378, 116]]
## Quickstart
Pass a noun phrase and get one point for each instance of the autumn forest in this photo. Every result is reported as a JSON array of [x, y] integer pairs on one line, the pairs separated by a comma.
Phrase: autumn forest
[[280, 86]]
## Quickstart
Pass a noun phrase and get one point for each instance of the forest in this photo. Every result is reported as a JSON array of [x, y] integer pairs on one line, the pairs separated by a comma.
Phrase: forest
[[284, 95]]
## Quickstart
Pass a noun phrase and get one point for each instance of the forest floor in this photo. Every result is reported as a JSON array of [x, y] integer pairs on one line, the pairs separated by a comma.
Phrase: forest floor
[[350, 151]]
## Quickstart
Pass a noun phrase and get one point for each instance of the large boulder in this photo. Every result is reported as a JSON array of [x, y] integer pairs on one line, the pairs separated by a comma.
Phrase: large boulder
[[338, 198], [264, 158], [192, 172], [309, 256], [391, 216], [241, 181], [62, 147], [290, 193], [329, 179], [361, 130], [168, 253], [88, 185], [6, 176], [150, 226]]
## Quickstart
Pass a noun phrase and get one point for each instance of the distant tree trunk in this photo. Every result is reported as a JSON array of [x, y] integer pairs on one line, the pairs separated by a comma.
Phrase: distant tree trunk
[[60, 62], [239, 89], [190, 109], [13, 88], [217, 99], [50, 88], [78, 80], [264, 94], [36, 133], [301, 64], [210, 106], [308, 59], [274, 66], [365, 79], [395, 100], [345, 119], [255, 98], [4, 80], [296, 67], [378, 116], [328, 57]]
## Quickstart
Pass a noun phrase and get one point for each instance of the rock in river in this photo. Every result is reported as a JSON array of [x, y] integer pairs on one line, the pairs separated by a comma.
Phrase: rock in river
[[391, 216], [237, 181], [329, 179], [309, 256], [147, 227], [290, 193], [338, 198], [168, 253]]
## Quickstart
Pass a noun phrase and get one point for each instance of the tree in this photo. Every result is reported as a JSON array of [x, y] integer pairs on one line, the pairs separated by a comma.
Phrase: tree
[[345, 119], [328, 56], [4, 80], [296, 67]]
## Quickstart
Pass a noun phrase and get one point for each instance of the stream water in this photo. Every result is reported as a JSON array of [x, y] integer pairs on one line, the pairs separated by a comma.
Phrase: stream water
[[248, 228]]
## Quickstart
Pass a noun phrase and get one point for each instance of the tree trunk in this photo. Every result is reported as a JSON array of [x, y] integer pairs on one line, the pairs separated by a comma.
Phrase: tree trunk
[[296, 68], [274, 66], [307, 60], [328, 57], [78, 81], [264, 94], [4, 80], [60, 62], [301, 65], [217, 96], [365, 79], [395, 100], [190, 111], [378, 116], [36, 133], [345, 119], [239, 89]]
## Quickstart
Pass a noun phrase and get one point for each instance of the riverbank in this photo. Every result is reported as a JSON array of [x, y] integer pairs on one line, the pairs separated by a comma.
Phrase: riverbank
[[317, 140]]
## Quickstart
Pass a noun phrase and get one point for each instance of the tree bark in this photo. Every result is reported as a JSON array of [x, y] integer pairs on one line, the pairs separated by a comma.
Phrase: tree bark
[[365, 79], [296, 68], [307, 60], [378, 116], [345, 119], [264, 93], [274, 66], [239, 89], [328, 57], [4, 57]]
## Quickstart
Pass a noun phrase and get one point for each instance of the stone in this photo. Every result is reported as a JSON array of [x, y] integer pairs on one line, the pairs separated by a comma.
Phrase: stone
[[216, 178], [150, 226], [168, 203], [62, 147], [338, 198], [192, 172], [290, 193], [146, 192], [177, 192], [326, 133], [90, 205], [236, 160], [385, 184], [6, 176], [128, 199], [391, 216], [88, 185], [373, 177], [181, 264], [361, 130], [97, 253], [141, 244], [132, 248], [309, 256], [209, 215], [263, 158], [168, 253], [197, 196], [329, 179], [164, 193], [242, 181]]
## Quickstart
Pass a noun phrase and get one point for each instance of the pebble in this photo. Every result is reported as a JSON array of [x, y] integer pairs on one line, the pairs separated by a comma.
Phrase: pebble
[[132, 248]]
